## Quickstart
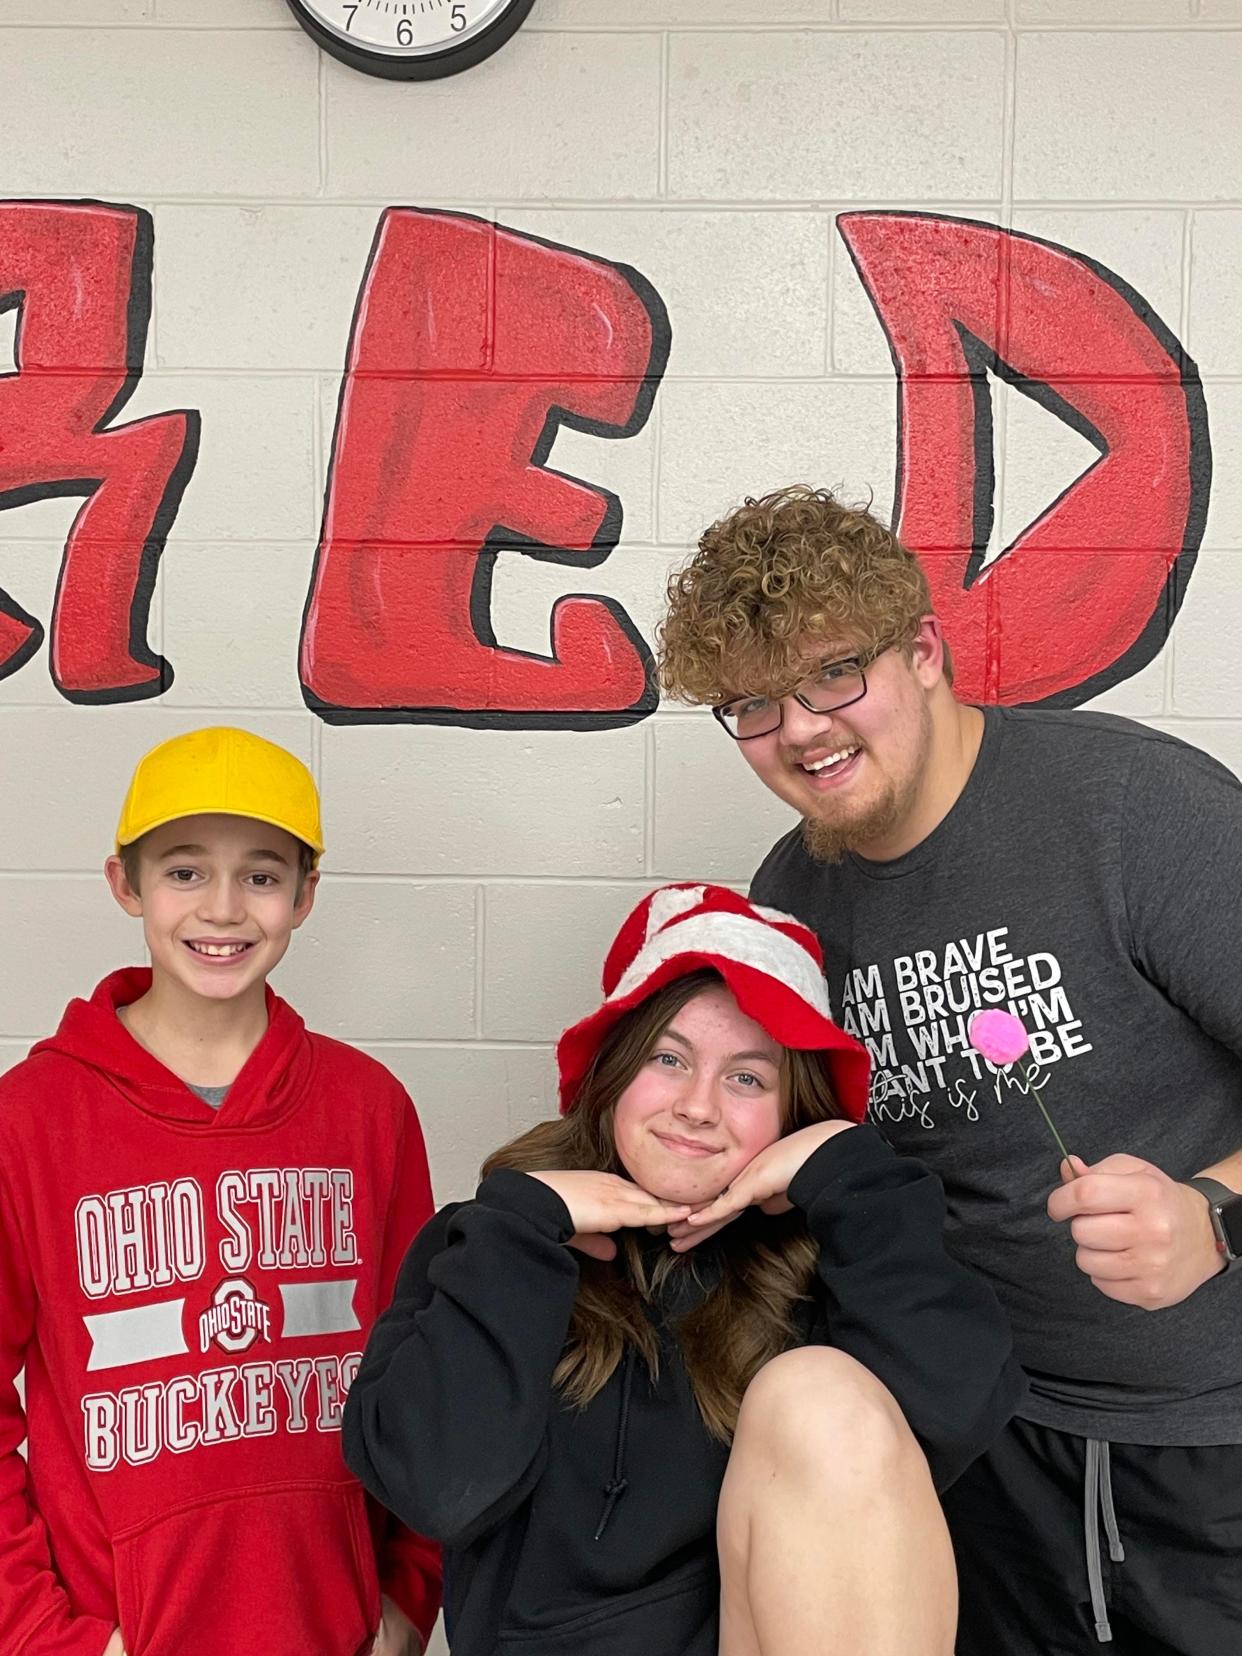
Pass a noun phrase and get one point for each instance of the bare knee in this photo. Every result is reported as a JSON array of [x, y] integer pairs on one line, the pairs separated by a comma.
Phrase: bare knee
[[816, 1412]]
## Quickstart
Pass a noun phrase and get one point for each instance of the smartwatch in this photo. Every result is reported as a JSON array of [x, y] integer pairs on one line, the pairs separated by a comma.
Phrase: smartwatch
[[1225, 1207]]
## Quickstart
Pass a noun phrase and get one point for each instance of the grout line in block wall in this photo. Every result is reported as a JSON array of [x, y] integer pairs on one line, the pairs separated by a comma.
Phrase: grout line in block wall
[[431, 1042], [322, 96], [759, 26], [776, 382], [317, 455], [662, 165], [1169, 686], [1009, 120], [956, 207], [317, 729], [649, 797], [480, 956], [1188, 254]]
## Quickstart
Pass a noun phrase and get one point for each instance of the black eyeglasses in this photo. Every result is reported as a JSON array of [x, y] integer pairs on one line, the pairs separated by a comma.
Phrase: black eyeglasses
[[836, 684]]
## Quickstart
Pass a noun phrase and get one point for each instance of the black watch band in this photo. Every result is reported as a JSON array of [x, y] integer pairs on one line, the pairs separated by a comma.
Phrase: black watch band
[[1225, 1208]]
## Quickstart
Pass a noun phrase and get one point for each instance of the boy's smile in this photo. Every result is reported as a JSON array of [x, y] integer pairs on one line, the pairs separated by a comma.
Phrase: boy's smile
[[855, 775], [219, 898]]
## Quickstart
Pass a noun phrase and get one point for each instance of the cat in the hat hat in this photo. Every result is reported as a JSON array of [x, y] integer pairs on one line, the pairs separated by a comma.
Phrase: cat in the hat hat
[[686, 1375]]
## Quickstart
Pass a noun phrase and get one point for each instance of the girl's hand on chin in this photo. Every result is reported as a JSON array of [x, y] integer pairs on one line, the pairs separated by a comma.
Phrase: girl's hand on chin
[[762, 1183], [600, 1203]]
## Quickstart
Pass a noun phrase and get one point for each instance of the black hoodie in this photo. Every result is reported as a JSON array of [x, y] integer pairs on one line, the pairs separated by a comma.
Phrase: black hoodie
[[591, 1532]]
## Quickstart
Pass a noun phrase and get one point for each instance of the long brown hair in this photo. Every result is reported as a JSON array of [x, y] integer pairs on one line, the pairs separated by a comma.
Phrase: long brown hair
[[766, 1264]]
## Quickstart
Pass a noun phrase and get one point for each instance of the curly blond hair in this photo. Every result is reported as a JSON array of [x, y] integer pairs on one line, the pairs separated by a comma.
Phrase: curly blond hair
[[778, 574]]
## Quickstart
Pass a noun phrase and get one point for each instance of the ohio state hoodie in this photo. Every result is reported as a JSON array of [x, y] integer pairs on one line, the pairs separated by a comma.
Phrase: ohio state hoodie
[[189, 1290]]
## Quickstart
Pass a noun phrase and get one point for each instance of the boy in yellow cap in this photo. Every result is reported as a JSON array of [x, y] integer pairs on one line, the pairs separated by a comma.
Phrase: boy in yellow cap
[[202, 1210]]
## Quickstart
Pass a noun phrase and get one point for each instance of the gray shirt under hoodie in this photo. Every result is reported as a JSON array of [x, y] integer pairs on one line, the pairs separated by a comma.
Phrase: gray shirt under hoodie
[[1088, 879]]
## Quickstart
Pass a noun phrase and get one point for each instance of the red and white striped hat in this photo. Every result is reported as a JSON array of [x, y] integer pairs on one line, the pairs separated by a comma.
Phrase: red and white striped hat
[[772, 964]]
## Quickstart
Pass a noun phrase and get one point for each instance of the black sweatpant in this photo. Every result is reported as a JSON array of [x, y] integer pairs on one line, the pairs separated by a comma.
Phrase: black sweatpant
[[1032, 1526]]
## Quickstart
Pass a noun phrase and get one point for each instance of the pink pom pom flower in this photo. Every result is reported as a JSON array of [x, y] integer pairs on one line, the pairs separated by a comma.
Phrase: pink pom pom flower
[[1002, 1039], [999, 1036]]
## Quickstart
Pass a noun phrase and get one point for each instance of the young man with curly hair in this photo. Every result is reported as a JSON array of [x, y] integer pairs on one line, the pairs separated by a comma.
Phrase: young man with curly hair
[[1078, 870]]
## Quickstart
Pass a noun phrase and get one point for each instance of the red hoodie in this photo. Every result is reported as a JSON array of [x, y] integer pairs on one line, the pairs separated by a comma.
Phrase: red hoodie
[[189, 1291]]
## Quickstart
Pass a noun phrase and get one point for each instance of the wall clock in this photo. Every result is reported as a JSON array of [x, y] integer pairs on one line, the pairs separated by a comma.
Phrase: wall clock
[[410, 39]]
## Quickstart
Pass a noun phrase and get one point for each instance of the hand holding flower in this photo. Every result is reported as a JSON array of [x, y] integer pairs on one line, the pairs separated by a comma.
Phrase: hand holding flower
[[1142, 1238]]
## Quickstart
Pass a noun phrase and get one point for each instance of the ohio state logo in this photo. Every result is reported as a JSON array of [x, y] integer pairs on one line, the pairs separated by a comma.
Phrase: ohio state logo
[[237, 1317]]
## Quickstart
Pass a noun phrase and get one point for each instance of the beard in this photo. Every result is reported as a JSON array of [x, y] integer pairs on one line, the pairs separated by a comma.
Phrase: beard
[[828, 839]]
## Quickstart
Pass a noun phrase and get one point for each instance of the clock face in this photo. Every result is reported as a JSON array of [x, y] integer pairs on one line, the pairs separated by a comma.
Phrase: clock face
[[410, 38]]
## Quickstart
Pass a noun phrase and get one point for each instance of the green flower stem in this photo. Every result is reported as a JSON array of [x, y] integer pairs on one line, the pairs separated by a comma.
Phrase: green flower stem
[[1034, 1091]]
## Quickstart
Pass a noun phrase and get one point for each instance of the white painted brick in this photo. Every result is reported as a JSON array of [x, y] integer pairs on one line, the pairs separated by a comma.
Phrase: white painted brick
[[747, 292], [254, 478], [714, 819], [284, 282], [501, 132], [383, 959], [781, 116], [78, 12], [470, 1101], [232, 620], [59, 811], [1141, 696], [484, 802], [544, 948], [1043, 458], [1207, 680], [525, 590], [80, 935], [1222, 738], [1104, 11], [922, 11], [1224, 519], [12, 1053], [47, 520], [859, 344], [226, 14], [1215, 340], [625, 466], [724, 441], [1220, 11], [678, 14], [233, 113], [1122, 116]]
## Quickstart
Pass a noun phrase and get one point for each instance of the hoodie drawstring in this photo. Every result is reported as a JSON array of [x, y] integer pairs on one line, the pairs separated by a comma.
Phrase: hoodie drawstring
[[1097, 1496], [616, 1486]]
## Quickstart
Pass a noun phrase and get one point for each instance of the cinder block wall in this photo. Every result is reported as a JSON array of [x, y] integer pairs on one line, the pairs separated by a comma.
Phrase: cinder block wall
[[474, 876]]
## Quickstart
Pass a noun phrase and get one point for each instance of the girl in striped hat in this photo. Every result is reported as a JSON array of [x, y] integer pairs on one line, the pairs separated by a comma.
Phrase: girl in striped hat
[[685, 1376]]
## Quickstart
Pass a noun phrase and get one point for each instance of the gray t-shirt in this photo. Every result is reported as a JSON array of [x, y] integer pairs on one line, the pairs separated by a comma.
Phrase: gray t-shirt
[[1088, 880], [210, 1095]]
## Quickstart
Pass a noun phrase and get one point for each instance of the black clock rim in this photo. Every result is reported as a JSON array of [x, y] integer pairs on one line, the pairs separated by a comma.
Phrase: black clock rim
[[428, 66]]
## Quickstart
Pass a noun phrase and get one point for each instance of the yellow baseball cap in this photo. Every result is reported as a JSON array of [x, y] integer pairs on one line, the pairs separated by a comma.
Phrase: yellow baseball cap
[[232, 772]]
